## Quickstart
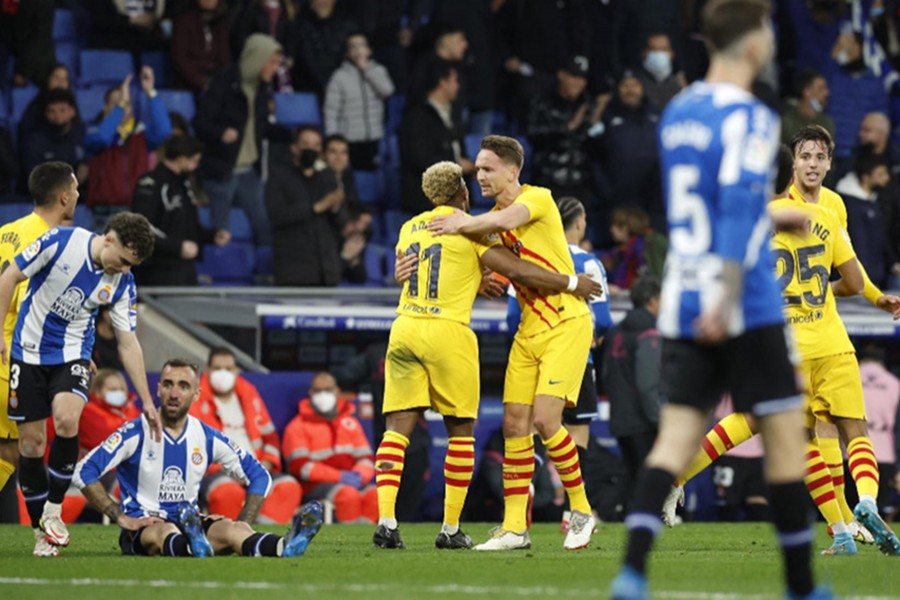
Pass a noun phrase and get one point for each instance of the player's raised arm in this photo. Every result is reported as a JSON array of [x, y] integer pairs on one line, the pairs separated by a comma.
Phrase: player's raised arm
[[500, 259]]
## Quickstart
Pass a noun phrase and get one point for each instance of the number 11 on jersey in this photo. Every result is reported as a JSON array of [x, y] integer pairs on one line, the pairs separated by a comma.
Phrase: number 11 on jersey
[[432, 254]]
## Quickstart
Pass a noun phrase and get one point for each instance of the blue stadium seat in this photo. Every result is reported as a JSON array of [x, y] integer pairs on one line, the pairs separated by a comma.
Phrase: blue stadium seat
[[205, 216], [396, 104], [64, 29], [393, 221], [179, 101], [67, 54], [158, 61], [104, 67], [389, 150], [239, 225], [368, 186], [264, 261], [21, 96], [90, 102], [230, 264], [297, 109], [473, 144], [16, 210], [376, 270]]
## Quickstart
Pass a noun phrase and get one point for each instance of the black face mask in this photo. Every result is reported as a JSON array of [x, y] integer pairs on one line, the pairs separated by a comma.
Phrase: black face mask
[[308, 158]]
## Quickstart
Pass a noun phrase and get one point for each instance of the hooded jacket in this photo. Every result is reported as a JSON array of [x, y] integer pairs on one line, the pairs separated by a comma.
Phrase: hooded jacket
[[227, 103]]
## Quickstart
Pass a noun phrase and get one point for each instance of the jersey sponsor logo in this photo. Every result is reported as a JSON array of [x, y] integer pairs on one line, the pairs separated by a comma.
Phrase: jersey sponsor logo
[[172, 488], [112, 442], [805, 319], [32, 250], [196, 457], [69, 304]]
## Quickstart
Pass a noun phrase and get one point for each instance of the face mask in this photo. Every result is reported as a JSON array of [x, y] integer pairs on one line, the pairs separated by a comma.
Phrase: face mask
[[658, 64], [324, 402], [842, 57], [222, 381], [308, 158], [816, 105], [116, 398]]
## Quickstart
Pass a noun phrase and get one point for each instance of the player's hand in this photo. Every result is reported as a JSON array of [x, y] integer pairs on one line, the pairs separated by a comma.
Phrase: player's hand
[[152, 416], [136, 523], [889, 303], [404, 267], [448, 224], [148, 79], [587, 287], [92, 367], [492, 287], [788, 219], [189, 250], [711, 327]]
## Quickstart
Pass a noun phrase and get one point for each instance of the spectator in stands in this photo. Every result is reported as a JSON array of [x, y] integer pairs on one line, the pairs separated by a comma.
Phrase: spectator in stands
[[557, 128], [231, 404], [9, 164], [232, 134], [26, 28], [166, 197], [337, 162], [630, 159], [658, 75], [58, 79], [132, 26], [875, 134], [881, 391], [389, 26], [639, 248], [200, 44], [631, 366], [428, 135], [322, 32], [109, 406], [59, 135], [807, 107], [860, 190], [277, 19], [327, 450], [308, 210], [106, 348], [121, 145], [354, 102], [446, 44]]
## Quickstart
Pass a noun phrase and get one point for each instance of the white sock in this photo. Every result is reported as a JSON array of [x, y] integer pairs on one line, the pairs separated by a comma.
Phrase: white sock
[[51, 509], [865, 497], [389, 523], [449, 529], [279, 549], [838, 528]]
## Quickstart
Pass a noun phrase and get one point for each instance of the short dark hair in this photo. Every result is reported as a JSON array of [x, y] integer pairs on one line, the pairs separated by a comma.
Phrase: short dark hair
[[644, 289], [179, 122], [804, 79], [180, 363], [507, 148], [867, 161], [134, 231], [440, 70], [785, 169], [725, 22], [335, 137], [47, 180], [59, 96], [182, 145], [570, 208], [303, 129], [812, 133], [219, 351]]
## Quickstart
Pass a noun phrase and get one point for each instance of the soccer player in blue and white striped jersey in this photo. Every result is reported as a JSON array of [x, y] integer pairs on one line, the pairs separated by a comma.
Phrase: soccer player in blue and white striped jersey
[[71, 272], [160, 483]]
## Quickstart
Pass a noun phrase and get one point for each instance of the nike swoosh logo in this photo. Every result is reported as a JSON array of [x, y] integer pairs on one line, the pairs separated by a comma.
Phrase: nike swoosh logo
[[551, 382]]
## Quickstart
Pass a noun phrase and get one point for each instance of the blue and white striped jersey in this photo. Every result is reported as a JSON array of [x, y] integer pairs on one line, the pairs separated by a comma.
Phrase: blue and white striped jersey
[[585, 262], [56, 319], [717, 150], [155, 477]]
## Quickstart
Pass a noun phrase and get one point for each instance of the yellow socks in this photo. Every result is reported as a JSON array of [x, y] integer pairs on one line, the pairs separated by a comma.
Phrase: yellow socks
[[6, 471], [388, 470], [818, 481], [564, 455], [834, 458], [458, 467], [863, 466], [518, 469], [731, 431]]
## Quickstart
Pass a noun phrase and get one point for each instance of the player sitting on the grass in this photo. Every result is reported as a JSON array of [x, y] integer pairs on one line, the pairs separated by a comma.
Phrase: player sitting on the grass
[[160, 482]]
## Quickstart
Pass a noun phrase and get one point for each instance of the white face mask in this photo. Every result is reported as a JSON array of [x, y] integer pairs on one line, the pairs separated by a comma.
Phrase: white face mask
[[816, 105], [116, 398], [222, 381], [659, 64], [324, 402]]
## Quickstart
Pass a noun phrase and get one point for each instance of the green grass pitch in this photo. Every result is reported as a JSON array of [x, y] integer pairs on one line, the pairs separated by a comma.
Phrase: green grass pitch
[[692, 562]]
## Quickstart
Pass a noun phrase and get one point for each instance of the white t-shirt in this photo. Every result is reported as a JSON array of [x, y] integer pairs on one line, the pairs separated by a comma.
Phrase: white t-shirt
[[234, 423]]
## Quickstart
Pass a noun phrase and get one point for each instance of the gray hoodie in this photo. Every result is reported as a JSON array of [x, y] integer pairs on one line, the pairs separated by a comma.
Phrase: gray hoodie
[[257, 50]]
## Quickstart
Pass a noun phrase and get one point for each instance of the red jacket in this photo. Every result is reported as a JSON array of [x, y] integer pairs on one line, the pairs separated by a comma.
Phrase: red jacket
[[259, 425], [318, 450]]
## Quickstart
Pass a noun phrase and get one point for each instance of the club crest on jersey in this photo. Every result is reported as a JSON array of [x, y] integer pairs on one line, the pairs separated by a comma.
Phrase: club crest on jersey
[[69, 304], [113, 441], [196, 457], [13, 401], [172, 488], [105, 294]]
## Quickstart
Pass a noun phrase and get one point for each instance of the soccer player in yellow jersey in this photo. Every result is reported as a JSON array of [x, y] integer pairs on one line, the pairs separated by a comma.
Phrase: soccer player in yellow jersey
[[550, 348], [432, 355], [55, 192]]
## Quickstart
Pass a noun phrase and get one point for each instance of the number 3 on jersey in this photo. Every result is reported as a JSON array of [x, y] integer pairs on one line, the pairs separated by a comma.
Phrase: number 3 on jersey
[[432, 255]]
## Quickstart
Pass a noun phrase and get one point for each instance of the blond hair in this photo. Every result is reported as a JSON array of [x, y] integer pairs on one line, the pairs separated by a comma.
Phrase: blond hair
[[441, 181]]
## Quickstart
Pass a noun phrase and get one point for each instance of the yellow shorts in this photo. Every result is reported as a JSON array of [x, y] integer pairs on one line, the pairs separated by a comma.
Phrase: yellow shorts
[[8, 429], [549, 363], [432, 363], [834, 388]]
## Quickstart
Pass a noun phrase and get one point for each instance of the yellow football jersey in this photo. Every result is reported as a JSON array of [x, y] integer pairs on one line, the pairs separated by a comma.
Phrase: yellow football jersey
[[542, 241], [828, 199], [449, 272], [803, 264]]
